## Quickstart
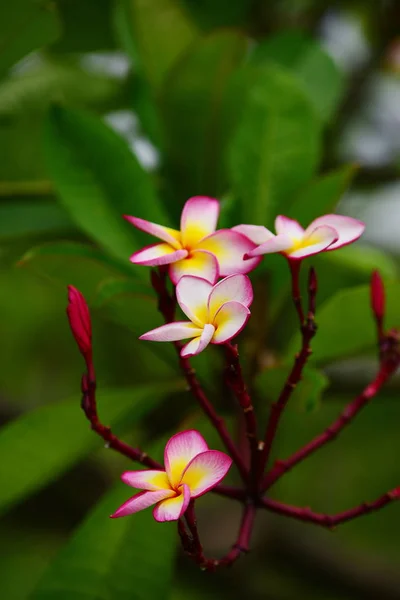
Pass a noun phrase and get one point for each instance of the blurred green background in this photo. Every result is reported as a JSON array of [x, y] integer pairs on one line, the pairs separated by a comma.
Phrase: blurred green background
[[110, 107]]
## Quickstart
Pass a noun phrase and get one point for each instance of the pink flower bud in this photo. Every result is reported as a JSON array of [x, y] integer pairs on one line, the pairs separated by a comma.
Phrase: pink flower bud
[[79, 320], [377, 295]]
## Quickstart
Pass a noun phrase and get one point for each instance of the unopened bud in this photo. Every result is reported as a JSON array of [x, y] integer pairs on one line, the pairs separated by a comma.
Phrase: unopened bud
[[377, 296], [79, 320]]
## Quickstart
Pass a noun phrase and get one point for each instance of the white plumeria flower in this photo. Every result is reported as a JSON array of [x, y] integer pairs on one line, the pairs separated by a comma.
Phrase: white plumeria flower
[[217, 313], [191, 470], [197, 249], [325, 233]]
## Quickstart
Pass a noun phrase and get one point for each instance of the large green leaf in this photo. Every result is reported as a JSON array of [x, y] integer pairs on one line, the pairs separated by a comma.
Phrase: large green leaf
[[346, 326], [191, 102], [321, 196], [128, 558], [71, 263], [44, 217], [310, 63], [44, 443], [98, 180], [161, 32], [24, 26], [276, 146], [224, 13]]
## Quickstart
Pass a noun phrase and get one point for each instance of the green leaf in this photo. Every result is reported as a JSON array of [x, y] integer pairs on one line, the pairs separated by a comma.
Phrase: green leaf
[[315, 70], [307, 395], [44, 443], [98, 180], [321, 196], [346, 326], [72, 263], [161, 32], [25, 25], [276, 146], [360, 260], [195, 89], [224, 13], [127, 558], [134, 305], [44, 217]]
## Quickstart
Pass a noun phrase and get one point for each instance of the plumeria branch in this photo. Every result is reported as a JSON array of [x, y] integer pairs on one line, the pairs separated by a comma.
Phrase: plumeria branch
[[308, 330], [166, 305], [330, 521]]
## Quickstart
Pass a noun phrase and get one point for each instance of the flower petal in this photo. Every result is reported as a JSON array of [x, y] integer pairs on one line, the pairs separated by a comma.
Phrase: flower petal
[[229, 247], [141, 501], [180, 450], [172, 508], [192, 294], [146, 479], [318, 241], [290, 227], [235, 288], [205, 471], [199, 264], [171, 236], [199, 343], [157, 254], [256, 233], [278, 243], [229, 321], [349, 229], [172, 332], [199, 219]]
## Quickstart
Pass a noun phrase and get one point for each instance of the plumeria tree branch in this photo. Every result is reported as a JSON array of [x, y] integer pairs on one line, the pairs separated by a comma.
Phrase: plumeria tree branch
[[330, 521], [308, 330]]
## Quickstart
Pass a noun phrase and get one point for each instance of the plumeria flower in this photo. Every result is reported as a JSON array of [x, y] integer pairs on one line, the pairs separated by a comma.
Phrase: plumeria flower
[[197, 249], [191, 470], [323, 234], [217, 313]]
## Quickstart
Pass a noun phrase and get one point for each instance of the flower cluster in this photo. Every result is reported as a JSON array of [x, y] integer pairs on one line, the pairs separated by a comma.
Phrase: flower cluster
[[208, 268]]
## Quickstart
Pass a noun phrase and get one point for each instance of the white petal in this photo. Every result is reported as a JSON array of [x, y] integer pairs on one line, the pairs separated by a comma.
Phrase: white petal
[[180, 450], [141, 501], [348, 229], [205, 471], [318, 241], [146, 479], [199, 343], [171, 236], [172, 332], [198, 220], [157, 254], [173, 508], [229, 247], [256, 233], [229, 321], [235, 288], [290, 227], [192, 294], [278, 243], [199, 264]]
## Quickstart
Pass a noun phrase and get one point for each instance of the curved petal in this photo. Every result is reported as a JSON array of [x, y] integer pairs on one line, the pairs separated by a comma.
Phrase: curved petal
[[349, 229], [146, 479], [256, 233], [205, 471], [229, 321], [235, 288], [171, 236], [278, 243], [199, 343], [192, 294], [199, 219], [229, 247], [318, 241], [290, 227], [173, 508], [199, 264], [180, 450], [172, 332], [141, 501], [157, 254]]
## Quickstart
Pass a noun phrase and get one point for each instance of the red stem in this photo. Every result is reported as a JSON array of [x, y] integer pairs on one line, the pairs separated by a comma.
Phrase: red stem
[[308, 331], [235, 380], [192, 545], [295, 266], [308, 516], [344, 419]]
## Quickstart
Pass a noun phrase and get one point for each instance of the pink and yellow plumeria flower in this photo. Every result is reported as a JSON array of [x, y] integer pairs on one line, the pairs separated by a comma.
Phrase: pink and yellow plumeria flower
[[197, 249], [325, 233], [191, 470], [217, 313]]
